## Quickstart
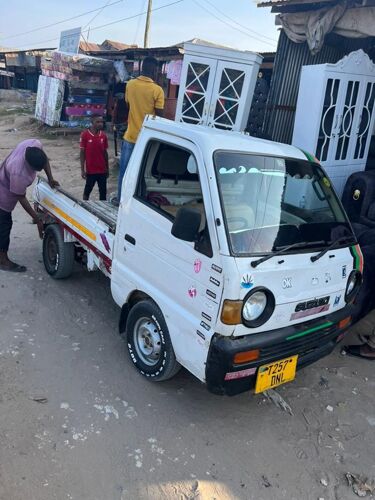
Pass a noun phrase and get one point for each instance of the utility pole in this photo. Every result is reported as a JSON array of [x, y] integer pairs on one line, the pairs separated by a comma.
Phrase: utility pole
[[147, 27]]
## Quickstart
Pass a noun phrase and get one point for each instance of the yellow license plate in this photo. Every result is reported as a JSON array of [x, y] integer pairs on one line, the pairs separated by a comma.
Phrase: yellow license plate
[[276, 373]]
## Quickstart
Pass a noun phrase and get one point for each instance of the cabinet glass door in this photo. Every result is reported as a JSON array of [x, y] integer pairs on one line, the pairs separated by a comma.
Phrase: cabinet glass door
[[346, 120], [329, 119], [365, 123], [196, 84], [229, 95]]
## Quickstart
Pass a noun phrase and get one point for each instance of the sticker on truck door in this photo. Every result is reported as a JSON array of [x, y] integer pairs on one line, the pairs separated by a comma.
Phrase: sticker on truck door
[[197, 266]]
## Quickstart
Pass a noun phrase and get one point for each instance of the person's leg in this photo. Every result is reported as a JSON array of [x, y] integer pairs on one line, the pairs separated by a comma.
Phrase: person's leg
[[5, 229], [366, 350], [371, 340], [126, 151], [102, 185], [90, 183]]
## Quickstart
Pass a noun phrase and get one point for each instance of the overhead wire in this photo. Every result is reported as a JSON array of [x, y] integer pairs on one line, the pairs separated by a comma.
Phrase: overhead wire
[[231, 26], [239, 24], [96, 15], [60, 22], [113, 22]]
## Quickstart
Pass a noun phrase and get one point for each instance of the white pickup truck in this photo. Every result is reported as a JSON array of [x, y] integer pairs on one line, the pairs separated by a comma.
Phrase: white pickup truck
[[228, 255]]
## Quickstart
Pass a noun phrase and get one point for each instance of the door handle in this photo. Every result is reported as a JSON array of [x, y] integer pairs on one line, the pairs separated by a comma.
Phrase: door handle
[[130, 239]]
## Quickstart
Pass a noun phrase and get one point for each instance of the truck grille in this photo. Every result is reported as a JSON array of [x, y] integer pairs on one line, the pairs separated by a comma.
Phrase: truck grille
[[301, 345]]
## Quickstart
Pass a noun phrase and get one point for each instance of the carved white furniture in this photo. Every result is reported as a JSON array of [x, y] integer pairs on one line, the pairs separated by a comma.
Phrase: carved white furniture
[[217, 86], [335, 114]]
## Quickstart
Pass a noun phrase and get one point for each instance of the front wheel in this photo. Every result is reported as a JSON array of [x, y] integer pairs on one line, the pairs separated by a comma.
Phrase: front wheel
[[58, 256], [149, 344]]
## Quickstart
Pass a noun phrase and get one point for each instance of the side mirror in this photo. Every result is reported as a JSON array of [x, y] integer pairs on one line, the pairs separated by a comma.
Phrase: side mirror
[[186, 224]]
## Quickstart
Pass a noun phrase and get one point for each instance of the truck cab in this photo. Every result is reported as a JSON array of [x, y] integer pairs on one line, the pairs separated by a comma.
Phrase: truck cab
[[231, 256]]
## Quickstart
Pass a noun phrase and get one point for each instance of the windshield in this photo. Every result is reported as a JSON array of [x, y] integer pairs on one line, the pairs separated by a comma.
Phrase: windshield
[[269, 203]]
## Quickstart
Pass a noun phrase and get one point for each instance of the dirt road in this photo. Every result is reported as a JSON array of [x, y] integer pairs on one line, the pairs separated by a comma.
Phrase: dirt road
[[78, 422]]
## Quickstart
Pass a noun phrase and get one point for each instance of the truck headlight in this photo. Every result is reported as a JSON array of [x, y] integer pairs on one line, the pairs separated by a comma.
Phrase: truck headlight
[[258, 307], [352, 287]]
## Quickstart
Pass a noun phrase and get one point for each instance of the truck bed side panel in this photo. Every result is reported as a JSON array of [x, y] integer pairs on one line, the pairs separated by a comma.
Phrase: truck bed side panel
[[74, 215]]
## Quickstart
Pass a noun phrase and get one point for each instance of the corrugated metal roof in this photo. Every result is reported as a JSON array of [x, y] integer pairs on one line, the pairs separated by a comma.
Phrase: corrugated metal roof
[[270, 3], [282, 3], [113, 45]]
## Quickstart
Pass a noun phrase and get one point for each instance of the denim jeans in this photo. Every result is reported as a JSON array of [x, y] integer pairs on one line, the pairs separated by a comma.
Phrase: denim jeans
[[126, 151]]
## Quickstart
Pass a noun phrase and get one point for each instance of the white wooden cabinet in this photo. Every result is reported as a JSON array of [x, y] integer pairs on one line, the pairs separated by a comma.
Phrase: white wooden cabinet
[[217, 86], [335, 114]]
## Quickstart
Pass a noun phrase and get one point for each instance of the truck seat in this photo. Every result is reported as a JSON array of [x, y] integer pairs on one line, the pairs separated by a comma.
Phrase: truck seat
[[239, 217], [199, 207], [172, 163]]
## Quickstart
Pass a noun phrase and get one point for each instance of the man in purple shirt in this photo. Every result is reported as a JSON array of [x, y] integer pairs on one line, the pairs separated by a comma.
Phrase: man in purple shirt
[[17, 172]]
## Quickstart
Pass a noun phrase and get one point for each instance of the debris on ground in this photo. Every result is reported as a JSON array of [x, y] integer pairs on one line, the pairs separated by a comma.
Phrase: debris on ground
[[278, 400], [361, 485], [324, 482], [266, 482], [39, 399], [329, 408], [323, 382]]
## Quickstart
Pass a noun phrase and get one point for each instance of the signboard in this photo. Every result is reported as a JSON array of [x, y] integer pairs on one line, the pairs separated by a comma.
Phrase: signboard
[[69, 41]]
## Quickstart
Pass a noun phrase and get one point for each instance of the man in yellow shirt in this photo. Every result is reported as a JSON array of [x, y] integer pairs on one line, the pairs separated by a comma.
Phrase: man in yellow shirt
[[143, 97]]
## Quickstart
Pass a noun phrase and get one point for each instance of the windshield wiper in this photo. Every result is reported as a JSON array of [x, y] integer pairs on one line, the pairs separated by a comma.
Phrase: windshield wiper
[[332, 245], [283, 250]]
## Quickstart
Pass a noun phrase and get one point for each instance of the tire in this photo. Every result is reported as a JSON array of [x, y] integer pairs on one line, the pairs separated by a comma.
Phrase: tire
[[149, 344], [58, 256]]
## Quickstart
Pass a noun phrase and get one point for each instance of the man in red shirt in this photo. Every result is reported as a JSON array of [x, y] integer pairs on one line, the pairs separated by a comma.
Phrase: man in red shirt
[[94, 158]]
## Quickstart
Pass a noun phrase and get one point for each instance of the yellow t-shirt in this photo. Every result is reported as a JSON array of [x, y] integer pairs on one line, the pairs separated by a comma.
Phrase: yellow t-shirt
[[143, 96]]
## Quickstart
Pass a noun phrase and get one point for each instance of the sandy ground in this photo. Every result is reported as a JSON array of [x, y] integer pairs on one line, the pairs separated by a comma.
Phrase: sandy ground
[[78, 422]]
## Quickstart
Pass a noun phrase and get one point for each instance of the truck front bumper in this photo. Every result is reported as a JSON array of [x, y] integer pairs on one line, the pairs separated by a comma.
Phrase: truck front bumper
[[311, 340]]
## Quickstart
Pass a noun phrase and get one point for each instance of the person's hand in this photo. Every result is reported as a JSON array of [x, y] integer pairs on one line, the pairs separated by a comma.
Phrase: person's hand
[[40, 227], [53, 183], [83, 174]]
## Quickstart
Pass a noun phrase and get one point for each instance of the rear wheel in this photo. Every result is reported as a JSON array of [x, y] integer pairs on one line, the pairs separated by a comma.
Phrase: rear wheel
[[149, 344], [58, 256]]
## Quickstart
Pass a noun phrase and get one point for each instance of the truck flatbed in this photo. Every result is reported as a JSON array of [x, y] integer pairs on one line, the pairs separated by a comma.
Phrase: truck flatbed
[[104, 210]]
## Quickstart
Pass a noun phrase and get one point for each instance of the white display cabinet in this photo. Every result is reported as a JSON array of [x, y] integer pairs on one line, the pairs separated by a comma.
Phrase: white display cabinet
[[217, 86], [335, 114]]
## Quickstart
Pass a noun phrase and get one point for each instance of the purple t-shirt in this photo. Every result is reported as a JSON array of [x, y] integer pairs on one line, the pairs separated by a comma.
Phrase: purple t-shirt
[[16, 175]]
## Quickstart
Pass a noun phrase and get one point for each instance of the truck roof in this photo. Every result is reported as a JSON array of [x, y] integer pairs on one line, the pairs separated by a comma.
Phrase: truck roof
[[212, 139]]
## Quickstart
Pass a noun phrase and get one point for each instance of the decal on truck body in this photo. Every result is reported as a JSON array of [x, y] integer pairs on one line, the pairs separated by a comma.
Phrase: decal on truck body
[[69, 219], [355, 250], [309, 312], [197, 266], [214, 281], [310, 307], [247, 281]]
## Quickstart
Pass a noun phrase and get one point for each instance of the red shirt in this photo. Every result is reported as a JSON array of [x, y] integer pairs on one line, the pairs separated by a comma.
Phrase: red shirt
[[95, 146]]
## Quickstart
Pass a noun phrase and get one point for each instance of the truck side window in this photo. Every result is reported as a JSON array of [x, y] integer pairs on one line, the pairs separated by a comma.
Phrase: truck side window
[[166, 184]]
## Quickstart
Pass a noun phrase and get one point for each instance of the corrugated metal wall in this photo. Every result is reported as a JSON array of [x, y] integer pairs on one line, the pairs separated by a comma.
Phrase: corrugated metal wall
[[282, 99]]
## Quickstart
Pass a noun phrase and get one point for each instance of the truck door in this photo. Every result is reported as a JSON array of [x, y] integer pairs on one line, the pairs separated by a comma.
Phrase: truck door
[[184, 279]]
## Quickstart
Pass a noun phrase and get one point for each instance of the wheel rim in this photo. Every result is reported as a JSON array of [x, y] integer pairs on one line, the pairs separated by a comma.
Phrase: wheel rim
[[147, 341], [52, 251]]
